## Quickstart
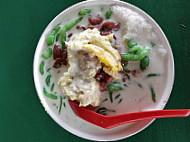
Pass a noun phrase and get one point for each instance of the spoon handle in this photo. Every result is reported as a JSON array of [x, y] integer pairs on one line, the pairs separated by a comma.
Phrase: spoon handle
[[113, 121]]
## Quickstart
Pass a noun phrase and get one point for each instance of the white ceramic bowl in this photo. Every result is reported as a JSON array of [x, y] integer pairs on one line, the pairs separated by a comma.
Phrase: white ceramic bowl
[[67, 118]]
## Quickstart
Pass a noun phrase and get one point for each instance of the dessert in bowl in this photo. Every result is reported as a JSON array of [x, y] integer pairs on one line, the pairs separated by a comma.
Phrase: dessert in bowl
[[108, 55]]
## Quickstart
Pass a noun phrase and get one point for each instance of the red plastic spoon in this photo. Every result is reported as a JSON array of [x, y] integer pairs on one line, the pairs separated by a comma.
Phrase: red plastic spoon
[[109, 122]]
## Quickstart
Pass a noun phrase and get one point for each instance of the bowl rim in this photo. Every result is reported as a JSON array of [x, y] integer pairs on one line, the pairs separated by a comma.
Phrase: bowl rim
[[39, 89]]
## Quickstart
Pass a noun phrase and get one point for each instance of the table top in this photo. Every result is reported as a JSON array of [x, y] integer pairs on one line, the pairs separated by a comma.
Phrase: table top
[[22, 117]]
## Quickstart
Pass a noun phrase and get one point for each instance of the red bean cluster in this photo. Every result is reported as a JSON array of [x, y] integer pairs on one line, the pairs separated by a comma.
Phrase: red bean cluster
[[103, 78], [106, 28], [60, 56]]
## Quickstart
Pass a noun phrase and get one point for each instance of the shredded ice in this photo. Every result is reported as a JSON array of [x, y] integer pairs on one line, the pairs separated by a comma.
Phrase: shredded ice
[[135, 27]]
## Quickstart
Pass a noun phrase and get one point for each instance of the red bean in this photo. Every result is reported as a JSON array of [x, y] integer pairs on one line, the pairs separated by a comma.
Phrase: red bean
[[64, 57], [123, 79], [114, 37], [56, 52], [99, 77], [134, 72], [110, 26], [57, 63], [96, 20], [70, 35], [81, 27], [78, 27]]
